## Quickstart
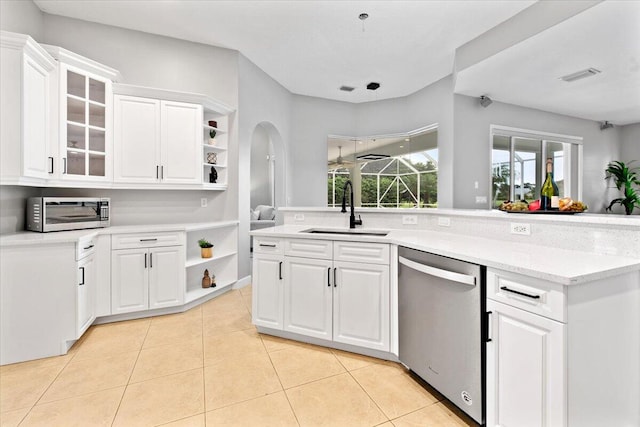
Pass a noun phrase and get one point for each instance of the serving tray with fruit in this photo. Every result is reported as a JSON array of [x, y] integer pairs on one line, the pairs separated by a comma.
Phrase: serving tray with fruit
[[567, 205]]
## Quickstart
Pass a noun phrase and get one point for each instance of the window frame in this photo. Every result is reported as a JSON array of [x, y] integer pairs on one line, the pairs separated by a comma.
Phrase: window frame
[[544, 137]]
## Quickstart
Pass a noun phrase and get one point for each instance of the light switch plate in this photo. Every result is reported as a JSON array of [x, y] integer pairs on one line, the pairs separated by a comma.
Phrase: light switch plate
[[203, 202], [409, 219], [298, 217]]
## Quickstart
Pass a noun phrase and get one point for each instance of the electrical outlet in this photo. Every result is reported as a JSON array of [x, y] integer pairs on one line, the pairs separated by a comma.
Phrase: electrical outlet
[[444, 221], [409, 219], [475, 185], [481, 199], [203, 202], [298, 217], [520, 228]]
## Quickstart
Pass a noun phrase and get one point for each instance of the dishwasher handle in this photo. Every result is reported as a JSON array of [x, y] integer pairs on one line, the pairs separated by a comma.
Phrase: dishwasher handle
[[438, 272]]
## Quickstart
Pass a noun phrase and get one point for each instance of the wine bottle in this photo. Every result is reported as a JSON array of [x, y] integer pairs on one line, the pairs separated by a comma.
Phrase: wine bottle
[[549, 195]]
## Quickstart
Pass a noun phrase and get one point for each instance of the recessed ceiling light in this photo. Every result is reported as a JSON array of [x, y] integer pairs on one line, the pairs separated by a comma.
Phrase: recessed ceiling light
[[373, 86], [580, 75], [347, 88]]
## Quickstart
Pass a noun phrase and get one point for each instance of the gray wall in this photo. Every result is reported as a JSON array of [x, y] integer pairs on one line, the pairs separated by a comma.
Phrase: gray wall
[[21, 16], [262, 101], [473, 155], [630, 145], [312, 119]]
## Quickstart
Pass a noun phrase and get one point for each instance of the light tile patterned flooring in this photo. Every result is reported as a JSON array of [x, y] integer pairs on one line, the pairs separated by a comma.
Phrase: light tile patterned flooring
[[209, 366]]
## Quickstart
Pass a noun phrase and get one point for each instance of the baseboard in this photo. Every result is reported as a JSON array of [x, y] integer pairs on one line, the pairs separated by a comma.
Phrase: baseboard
[[241, 283]]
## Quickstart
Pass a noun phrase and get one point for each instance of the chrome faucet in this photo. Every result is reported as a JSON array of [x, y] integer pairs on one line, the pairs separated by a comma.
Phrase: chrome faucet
[[352, 218]]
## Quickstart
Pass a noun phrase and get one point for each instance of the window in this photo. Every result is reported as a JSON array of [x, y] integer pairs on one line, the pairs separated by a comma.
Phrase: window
[[518, 161], [399, 171]]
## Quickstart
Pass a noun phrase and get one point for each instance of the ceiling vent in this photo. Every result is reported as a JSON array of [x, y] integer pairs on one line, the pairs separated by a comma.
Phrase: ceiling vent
[[373, 86], [372, 157], [580, 75], [347, 88]]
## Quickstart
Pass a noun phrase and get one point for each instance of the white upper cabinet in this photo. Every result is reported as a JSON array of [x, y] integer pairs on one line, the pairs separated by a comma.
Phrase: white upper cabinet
[[84, 117], [157, 142], [181, 137], [136, 139], [25, 124]]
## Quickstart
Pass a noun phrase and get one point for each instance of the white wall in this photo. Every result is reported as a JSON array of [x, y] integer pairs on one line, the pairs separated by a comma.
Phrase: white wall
[[472, 148], [260, 100], [21, 16]]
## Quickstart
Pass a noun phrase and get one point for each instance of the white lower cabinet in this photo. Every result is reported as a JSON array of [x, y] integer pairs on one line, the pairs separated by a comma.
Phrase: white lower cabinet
[[308, 297], [361, 305], [525, 369], [302, 286], [145, 278]]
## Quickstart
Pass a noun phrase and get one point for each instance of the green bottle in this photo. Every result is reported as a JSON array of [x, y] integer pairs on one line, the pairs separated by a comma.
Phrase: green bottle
[[549, 195]]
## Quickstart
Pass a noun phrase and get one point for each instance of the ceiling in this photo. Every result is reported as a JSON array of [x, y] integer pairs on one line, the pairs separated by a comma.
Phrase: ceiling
[[314, 47], [605, 37]]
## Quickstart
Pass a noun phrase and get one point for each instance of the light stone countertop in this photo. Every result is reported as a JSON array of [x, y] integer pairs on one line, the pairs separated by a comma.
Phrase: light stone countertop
[[566, 267], [57, 237]]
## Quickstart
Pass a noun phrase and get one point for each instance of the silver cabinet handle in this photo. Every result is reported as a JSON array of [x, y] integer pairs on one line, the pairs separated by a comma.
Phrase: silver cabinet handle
[[280, 270], [335, 281], [82, 283], [329, 277], [161, 172], [489, 325], [145, 260], [151, 260], [64, 170], [438, 272], [51, 165]]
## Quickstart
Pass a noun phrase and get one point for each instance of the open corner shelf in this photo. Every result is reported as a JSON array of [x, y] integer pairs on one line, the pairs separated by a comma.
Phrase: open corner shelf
[[194, 294]]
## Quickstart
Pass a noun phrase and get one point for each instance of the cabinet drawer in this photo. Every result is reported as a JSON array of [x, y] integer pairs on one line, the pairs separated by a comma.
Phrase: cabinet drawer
[[373, 253], [322, 249], [86, 246], [268, 245], [527, 293], [146, 240]]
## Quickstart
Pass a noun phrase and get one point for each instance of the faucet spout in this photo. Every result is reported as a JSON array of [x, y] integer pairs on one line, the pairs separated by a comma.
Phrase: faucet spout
[[352, 217]]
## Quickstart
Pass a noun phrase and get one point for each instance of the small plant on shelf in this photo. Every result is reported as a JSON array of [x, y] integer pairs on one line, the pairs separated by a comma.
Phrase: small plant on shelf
[[206, 248], [212, 135]]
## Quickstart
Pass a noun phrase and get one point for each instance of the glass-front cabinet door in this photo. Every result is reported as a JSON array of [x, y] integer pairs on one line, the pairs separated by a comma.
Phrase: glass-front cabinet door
[[85, 133]]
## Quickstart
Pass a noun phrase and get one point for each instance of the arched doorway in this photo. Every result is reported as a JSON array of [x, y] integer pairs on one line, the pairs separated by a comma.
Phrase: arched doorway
[[267, 167]]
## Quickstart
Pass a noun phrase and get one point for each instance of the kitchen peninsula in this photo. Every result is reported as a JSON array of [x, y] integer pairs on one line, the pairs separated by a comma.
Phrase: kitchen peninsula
[[562, 302]]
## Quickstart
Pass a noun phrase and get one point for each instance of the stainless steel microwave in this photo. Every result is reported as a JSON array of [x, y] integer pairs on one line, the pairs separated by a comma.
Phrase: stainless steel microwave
[[46, 214]]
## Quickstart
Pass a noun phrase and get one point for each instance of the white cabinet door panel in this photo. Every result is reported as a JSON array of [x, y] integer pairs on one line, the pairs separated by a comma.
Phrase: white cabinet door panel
[[166, 277], [129, 280], [307, 297], [526, 382], [86, 296], [36, 116], [181, 143], [136, 139], [267, 291], [361, 305]]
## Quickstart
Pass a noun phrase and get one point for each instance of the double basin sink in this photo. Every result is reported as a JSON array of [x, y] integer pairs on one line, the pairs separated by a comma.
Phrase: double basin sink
[[346, 232]]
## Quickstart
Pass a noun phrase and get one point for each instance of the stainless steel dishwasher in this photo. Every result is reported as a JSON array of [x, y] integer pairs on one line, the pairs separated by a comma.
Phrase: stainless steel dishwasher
[[441, 323]]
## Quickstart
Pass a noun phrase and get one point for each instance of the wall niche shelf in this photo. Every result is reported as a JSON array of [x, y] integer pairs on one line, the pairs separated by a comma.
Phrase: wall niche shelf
[[223, 264]]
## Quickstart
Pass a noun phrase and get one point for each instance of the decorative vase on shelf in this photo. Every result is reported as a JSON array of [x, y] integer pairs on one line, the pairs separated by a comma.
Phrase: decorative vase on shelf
[[212, 158], [206, 248], [213, 175], [212, 135]]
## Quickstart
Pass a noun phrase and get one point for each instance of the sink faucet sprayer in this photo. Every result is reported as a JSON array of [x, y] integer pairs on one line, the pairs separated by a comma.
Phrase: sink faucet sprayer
[[352, 218]]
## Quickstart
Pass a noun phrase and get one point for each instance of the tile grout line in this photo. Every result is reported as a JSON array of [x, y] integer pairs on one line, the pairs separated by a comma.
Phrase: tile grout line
[[126, 386], [204, 381], [369, 396], [284, 391]]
